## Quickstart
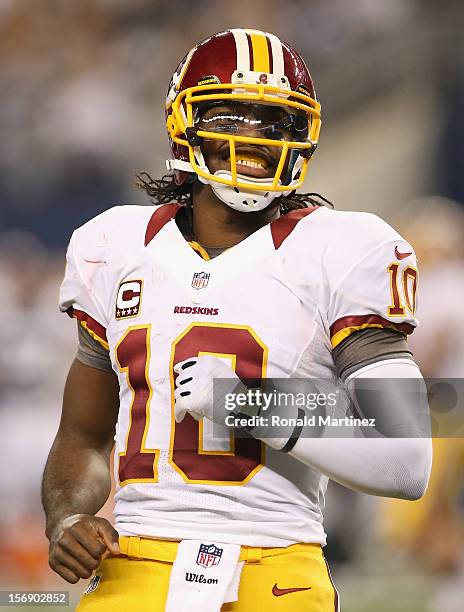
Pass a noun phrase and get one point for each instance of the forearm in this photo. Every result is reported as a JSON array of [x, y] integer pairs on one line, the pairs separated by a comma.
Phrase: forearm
[[390, 467], [392, 458], [76, 480]]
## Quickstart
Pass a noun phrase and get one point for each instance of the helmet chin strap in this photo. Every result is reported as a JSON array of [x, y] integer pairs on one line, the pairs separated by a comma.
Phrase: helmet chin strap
[[243, 200], [238, 199]]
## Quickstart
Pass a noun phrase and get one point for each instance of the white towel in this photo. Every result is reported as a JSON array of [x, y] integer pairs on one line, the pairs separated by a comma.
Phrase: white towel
[[204, 576]]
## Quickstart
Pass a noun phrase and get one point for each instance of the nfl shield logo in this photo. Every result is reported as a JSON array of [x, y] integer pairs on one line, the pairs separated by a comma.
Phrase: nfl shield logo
[[209, 555], [200, 280]]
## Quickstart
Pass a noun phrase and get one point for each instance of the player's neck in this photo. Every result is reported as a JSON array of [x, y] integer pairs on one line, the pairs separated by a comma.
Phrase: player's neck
[[217, 225]]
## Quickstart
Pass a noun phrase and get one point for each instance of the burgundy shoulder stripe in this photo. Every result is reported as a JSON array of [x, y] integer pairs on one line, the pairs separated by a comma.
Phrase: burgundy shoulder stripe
[[159, 218], [369, 319], [90, 323], [282, 227]]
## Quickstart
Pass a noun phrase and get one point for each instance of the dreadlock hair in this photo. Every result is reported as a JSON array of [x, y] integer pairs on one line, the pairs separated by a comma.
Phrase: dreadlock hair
[[165, 191]]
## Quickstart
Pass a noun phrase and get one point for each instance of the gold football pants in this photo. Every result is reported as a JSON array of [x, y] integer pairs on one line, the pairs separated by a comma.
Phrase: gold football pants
[[291, 579]]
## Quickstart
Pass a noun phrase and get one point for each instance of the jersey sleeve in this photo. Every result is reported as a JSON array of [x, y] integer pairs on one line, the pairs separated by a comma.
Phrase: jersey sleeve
[[372, 279], [82, 290]]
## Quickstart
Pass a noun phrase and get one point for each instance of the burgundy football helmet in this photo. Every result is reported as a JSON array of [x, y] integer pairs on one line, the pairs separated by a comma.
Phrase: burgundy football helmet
[[248, 68]]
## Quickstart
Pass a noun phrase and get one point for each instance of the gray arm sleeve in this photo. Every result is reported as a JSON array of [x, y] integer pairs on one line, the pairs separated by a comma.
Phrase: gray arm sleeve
[[395, 459], [91, 353], [367, 346]]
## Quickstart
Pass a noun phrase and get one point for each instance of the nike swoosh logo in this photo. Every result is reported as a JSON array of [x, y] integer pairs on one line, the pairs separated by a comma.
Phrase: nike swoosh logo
[[399, 255], [279, 592]]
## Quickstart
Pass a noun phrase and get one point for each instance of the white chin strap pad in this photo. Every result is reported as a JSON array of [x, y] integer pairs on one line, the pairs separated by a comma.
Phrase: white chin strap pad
[[243, 200]]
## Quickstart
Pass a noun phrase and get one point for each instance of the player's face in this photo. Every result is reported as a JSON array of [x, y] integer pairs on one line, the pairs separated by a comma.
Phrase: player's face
[[245, 119]]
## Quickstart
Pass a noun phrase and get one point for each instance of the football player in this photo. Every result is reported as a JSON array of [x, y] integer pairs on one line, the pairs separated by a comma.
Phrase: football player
[[230, 275]]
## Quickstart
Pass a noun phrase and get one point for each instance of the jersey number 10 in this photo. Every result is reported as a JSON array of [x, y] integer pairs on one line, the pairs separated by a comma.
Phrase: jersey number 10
[[186, 455]]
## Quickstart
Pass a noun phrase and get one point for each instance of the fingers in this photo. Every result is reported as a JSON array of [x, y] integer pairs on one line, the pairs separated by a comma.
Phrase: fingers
[[182, 365], [194, 381], [64, 572], [180, 407], [109, 535], [183, 378], [96, 535], [86, 538], [80, 553], [67, 560], [180, 416], [82, 542], [181, 394]]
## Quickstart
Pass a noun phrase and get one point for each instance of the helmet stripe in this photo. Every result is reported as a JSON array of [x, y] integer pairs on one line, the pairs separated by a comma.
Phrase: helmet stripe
[[269, 51], [185, 66], [250, 50], [241, 45], [277, 54], [260, 52]]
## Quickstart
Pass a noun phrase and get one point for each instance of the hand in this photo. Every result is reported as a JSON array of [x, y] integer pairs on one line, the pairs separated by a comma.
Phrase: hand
[[78, 544], [194, 388]]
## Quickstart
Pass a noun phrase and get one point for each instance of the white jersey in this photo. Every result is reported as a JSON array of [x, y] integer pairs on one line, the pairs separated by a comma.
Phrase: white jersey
[[275, 305]]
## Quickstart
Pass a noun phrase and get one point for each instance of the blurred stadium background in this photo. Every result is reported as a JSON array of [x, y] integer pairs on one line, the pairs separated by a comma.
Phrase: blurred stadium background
[[82, 88]]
